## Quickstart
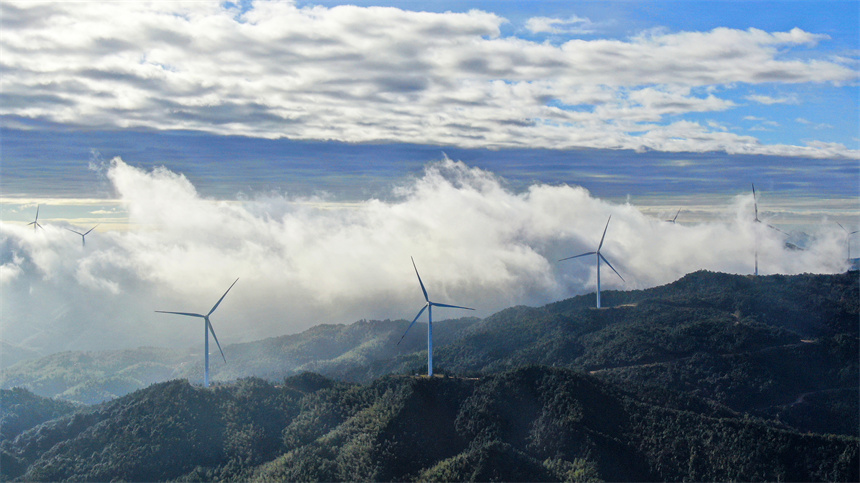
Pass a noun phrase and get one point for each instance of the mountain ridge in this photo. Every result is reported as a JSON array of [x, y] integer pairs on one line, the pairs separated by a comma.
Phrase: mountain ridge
[[754, 344]]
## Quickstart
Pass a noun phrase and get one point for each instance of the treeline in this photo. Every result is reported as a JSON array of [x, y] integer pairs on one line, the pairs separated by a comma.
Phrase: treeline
[[529, 424]]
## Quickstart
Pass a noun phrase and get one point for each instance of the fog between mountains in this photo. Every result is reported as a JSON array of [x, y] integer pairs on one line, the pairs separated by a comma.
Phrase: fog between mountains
[[301, 262]]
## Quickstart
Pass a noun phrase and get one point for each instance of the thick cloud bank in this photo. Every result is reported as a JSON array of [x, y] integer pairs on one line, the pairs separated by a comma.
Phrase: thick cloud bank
[[275, 69], [305, 262]]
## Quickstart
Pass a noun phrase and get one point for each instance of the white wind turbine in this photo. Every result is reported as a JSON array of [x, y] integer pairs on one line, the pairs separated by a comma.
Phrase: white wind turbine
[[756, 220], [599, 257], [83, 235], [35, 222], [847, 238], [207, 327], [429, 307]]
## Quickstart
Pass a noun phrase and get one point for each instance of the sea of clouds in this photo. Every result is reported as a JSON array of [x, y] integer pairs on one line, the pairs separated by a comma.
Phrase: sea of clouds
[[303, 262]]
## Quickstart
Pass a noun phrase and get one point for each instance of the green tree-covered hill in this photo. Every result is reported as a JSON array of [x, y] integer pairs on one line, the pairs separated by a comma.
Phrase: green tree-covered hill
[[529, 424]]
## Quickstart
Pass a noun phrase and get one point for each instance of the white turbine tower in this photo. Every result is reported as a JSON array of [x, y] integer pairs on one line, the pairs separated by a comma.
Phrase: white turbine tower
[[847, 238], [207, 327], [35, 222], [676, 216], [83, 235], [756, 220], [599, 257], [429, 307]]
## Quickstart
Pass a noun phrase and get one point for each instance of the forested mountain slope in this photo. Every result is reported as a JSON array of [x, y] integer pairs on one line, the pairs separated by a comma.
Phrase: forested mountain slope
[[532, 423], [21, 410], [780, 347], [783, 347]]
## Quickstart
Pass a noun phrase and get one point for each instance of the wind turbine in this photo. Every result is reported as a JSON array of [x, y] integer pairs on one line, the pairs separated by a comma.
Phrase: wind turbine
[[676, 216], [847, 238], [755, 204], [207, 327], [83, 235], [429, 307], [599, 257], [35, 222]]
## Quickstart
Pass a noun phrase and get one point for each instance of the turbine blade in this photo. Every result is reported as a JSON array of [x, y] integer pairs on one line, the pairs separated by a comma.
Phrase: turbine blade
[[755, 202], [426, 297], [209, 324], [222, 298], [610, 266], [577, 256], [413, 322], [37, 214], [777, 229], [855, 231], [604, 234], [91, 229], [73, 231], [182, 313], [676, 215], [450, 306], [840, 226]]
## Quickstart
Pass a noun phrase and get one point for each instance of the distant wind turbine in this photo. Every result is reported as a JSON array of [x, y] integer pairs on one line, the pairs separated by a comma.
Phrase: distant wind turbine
[[755, 204], [207, 327], [83, 235], [35, 222], [429, 307], [676, 216], [756, 220], [847, 238], [599, 257]]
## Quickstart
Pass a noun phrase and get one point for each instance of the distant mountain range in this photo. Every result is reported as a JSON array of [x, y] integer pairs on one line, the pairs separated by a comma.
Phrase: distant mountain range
[[712, 377]]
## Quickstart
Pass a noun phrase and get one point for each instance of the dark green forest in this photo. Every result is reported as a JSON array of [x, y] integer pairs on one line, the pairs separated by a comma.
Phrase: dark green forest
[[529, 424], [712, 377]]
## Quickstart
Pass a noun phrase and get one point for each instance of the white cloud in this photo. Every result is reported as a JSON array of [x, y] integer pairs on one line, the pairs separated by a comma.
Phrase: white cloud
[[474, 242], [768, 100], [817, 126], [377, 74], [570, 25]]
